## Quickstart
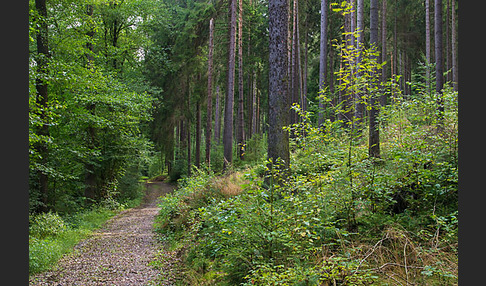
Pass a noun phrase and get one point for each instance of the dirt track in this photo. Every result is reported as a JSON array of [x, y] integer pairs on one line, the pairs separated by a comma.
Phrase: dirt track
[[117, 254]]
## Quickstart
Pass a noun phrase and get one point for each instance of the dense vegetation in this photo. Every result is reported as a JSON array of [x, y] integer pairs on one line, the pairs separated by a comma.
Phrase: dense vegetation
[[337, 216], [125, 90]]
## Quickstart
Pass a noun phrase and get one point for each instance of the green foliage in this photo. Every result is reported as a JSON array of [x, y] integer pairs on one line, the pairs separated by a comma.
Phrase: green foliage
[[94, 113], [50, 236], [336, 216], [46, 224]]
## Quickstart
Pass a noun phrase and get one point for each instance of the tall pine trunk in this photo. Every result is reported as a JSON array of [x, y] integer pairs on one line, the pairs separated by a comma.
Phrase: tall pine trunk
[[294, 70], [427, 46], [455, 73], [197, 152], [374, 135], [188, 129], [42, 99], [383, 51], [278, 100], [241, 122], [439, 62], [217, 117], [209, 113], [359, 103], [322, 59], [230, 89]]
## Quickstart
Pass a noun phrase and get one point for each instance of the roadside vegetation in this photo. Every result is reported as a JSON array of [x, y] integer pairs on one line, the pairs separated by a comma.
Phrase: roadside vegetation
[[52, 235], [335, 217]]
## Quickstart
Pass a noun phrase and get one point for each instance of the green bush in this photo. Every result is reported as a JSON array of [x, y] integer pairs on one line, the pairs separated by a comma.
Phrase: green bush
[[46, 224], [51, 236]]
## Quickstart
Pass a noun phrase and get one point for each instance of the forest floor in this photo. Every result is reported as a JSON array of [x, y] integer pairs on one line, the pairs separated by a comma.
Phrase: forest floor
[[119, 253]]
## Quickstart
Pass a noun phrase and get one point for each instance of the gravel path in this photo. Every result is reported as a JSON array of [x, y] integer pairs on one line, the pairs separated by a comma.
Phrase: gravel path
[[117, 254]]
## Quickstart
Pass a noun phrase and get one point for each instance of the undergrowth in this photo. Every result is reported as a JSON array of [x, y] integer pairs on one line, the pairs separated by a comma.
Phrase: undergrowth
[[336, 216], [51, 235]]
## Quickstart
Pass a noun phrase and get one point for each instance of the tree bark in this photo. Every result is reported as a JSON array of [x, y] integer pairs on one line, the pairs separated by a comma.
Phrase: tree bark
[[90, 181], [374, 135], [42, 98], [439, 68], [230, 89], [254, 102], [188, 129], [241, 121], [217, 118], [197, 152], [294, 70], [278, 101], [383, 51], [427, 46], [322, 59], [209, 113], [455, 73], [359, 104]]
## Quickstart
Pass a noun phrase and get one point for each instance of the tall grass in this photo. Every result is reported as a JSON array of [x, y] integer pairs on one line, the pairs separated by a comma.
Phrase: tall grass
[[48, 242]]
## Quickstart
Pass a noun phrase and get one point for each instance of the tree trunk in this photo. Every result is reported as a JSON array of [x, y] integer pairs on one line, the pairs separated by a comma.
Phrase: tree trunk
[[427, 46], [197, 152], [90, 185], [359, 103], [209, 113], [241, 122], [454, 48], [217, 118], [254, 107], [294, 72], [304, 91], [439, 70], [299, 62], [188, 129], [42, 99], [374, 135], [348, 95], [383, 51], [395, 45], [251, 75], [447, 59], [230, 89], [322, 59], [278, 101]]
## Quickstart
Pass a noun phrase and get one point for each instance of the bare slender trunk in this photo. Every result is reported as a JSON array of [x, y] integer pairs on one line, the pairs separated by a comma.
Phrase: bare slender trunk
[[455, 73], [439, 68], [210, 93], [294, 72], [427, 45], [230, 89], [322, 58], [240, 138], [254, 107], [188, 129], [374, 135], [359, 103], [383, 51], [217, 118], [197, 152]]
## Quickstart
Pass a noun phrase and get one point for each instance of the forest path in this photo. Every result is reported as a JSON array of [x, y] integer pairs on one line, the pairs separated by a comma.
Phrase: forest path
[[118, 253]]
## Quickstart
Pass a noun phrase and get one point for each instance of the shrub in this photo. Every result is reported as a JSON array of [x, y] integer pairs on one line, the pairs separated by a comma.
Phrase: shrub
[[46, 224]]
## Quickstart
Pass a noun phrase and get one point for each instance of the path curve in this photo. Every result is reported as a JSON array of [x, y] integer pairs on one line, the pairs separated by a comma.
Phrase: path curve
[[116, 254]]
